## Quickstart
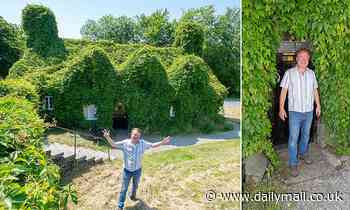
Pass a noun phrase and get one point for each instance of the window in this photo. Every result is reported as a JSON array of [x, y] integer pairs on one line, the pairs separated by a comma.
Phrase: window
[[48, 103], [90, 112], [172, 111]]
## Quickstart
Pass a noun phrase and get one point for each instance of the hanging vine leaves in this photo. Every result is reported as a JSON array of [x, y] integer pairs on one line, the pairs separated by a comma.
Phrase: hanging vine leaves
[[325, 24]]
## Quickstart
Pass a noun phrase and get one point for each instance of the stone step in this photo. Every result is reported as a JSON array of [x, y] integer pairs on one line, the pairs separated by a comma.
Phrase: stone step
[[57, 156], [98, 160], [70, 164]]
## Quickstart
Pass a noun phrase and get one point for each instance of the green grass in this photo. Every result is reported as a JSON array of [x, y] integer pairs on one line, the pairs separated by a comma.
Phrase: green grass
[[189, 172], [171, 179]]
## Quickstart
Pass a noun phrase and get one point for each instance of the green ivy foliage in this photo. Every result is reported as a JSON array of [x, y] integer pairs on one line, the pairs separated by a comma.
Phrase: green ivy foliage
[[119, 53], [189, 36], [40, 27], [10, 47], [92, 76], [89, 79], [27, 179], [19, 88], [146, 92], [325, 25], [198, 94], [32, 62]]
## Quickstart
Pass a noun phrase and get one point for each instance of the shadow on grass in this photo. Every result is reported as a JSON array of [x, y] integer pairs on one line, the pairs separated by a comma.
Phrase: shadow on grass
[[140, 205]]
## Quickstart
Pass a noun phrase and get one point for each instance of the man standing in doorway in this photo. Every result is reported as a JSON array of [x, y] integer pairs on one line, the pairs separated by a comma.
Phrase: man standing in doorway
[[301, 84], [133, 150]]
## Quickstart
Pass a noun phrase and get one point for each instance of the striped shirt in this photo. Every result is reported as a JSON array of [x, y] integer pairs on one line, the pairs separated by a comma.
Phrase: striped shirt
[[301, 87], [133, 153]]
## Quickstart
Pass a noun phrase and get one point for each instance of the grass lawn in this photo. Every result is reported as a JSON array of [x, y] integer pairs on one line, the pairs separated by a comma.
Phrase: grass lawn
[[172, 179]]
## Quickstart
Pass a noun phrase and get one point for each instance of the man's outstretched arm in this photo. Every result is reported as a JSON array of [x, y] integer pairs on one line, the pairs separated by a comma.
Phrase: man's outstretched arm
[[163, 142], [107, 135]]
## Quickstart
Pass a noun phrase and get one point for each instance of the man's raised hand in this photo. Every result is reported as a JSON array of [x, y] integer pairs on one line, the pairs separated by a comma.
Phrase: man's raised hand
[[106, 133], [166, 140]]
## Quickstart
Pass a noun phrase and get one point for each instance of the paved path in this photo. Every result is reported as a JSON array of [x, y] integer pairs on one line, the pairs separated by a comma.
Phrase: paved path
[[319, 177], [232, 109], [177, 141]]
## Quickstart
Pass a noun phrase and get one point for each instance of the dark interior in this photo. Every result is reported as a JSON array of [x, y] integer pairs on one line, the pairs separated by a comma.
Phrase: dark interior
[[120, 117], [120, 122], [285, 60]]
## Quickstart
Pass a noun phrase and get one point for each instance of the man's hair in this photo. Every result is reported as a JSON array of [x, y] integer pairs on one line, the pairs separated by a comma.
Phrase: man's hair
[[137, 130], [303, 49]]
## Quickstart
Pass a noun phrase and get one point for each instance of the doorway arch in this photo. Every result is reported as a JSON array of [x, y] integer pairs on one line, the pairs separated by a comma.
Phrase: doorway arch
[[326, 26]]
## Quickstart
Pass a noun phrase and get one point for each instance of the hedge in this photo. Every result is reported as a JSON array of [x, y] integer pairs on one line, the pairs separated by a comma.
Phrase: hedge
[[19, 88], [264, 25], [146, 92], [189, 36], [198, 94], [89, 79], [27, 179], [10, 47]]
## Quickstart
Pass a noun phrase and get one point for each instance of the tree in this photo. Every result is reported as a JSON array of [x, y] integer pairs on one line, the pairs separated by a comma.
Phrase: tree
[[156, 29], [221, 48], [121, 29], [10, 47]]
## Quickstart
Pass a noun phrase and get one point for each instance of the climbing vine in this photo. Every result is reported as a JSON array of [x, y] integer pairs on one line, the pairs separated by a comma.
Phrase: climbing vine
[[323, 23]]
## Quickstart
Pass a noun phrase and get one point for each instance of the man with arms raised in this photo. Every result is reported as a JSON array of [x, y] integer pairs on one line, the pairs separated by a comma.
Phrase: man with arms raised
[[133, 150]]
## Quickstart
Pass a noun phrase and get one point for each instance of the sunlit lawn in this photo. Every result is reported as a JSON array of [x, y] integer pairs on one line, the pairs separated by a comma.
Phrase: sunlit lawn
[[172, 179]]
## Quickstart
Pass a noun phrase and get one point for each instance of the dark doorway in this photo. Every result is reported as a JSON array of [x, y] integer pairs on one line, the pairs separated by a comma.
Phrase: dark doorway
[[285, 60], [120, 118]]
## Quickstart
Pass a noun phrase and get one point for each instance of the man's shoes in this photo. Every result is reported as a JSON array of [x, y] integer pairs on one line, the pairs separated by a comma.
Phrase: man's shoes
[[306, 159], [294, 171], [133, 198]]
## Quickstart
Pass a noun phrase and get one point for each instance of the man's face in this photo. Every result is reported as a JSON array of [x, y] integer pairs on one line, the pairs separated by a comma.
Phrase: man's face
[[303, 60], [135, 136]]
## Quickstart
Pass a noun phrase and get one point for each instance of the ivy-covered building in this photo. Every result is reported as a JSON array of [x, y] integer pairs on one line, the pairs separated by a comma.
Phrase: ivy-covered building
[[83, 83]]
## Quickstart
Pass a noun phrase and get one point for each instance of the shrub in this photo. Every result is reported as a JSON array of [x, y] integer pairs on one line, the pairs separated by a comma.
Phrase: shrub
[[189, 36], [10, 48], [88, 79], [19, 88], [40, 28], [146, 92], [199, 95], [27, 179]]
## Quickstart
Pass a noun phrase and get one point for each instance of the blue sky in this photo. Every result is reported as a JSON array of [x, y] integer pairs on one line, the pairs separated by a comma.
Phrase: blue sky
[[71, 15]]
